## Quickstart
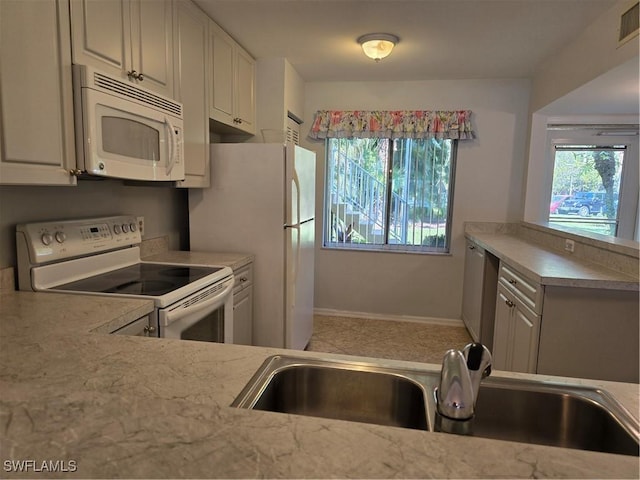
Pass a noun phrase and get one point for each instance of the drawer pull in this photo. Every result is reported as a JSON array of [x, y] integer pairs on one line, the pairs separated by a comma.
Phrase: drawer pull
[[512, 281], [509, 303], [243, 279]]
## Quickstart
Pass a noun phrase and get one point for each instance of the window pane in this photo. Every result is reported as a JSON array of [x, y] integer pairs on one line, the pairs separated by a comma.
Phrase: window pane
[[586, 187], [356, 190], [382, 199], [420, 192]]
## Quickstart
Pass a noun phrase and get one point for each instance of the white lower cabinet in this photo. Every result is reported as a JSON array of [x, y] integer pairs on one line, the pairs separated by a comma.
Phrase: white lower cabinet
[[518, 316], [515, 335], [139, 328], [565, 331], [243, 305]]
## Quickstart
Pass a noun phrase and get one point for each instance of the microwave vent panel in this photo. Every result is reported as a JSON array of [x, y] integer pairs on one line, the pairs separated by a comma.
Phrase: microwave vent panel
[[293, 129], [629, 24], [133, 92]]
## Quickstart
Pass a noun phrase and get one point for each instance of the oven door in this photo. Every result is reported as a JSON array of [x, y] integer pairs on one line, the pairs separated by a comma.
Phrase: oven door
[[205, 316]]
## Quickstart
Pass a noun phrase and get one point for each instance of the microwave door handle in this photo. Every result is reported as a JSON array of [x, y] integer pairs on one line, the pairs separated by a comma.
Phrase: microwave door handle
[[172, 149]]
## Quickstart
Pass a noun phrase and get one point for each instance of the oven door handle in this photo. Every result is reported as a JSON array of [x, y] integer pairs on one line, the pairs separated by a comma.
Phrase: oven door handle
[[212, 303]]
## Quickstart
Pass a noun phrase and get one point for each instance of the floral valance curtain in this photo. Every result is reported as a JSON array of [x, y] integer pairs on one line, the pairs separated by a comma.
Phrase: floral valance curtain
[[453, 124]]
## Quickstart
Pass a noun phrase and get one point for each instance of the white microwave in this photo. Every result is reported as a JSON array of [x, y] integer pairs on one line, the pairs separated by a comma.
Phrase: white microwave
[[126, 131]]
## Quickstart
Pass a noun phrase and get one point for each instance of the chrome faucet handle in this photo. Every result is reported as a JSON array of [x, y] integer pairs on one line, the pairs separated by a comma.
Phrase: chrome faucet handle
[[478, 360], [454, 395]]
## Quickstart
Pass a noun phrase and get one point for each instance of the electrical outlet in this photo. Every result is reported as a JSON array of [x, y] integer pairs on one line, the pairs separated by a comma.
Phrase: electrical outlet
[[141, 226], [569, 245]]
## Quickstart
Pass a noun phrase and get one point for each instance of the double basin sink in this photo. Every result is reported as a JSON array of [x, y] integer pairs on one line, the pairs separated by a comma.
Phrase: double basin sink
[[526, 411]]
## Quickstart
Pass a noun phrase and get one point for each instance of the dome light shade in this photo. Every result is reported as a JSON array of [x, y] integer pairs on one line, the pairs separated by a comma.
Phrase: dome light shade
[[377, 45]]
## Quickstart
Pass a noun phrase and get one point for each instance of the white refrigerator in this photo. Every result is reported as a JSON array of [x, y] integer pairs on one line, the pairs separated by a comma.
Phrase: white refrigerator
[[262, 201]]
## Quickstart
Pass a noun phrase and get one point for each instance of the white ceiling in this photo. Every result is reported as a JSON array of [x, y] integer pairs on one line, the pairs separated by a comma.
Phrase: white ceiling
[[439, 39]]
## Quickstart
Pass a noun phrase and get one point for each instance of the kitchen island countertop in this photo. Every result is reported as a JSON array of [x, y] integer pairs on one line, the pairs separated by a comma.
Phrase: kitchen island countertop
[[119, 406], [550, 267]]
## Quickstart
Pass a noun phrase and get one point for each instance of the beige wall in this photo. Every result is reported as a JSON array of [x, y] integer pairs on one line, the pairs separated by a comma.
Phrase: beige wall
[[164, 209], [270, 85], [293, 91], [591, 54], [591, 80], [488, 181], [279, 90]]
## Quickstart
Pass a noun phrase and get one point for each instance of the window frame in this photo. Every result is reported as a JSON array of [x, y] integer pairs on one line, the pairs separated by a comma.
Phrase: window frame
[[389, 247], [587, 134]]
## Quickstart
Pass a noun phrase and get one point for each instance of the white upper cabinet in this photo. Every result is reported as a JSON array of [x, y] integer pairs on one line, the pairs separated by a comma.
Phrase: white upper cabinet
[[233, 77], [192, 88], [245, 97], [37, 139], [131, 39], [222, 66]]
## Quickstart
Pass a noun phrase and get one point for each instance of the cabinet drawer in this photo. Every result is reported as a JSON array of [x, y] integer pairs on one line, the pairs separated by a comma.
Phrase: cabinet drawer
[[528, 291], [141, 328], [243, 277]]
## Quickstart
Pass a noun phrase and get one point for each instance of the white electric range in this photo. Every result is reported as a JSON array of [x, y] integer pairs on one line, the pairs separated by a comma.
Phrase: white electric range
[[101, 256]]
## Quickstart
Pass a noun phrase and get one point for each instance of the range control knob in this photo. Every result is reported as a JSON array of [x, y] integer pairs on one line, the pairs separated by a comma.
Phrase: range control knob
[[125, 228], [133, 227], [46, 238], [117, 229], [61, 237]]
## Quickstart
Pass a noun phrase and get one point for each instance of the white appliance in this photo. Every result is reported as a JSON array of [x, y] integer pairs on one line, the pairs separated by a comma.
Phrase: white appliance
[[262, 201], [101, 256], [126, 131]]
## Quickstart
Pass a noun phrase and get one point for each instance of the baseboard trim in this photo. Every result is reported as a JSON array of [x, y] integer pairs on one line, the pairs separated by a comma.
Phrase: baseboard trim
[[328, 312]]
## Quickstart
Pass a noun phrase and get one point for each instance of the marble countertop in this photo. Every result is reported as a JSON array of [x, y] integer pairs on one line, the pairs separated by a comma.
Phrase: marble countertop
[[119, 406], [549, 267]]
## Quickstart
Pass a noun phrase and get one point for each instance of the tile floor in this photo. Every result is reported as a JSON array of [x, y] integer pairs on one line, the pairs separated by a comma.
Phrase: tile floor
[[412, 341]]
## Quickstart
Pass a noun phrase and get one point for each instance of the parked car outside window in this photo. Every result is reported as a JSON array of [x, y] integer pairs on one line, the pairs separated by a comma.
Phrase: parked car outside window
[[583, 204], [556, 201]]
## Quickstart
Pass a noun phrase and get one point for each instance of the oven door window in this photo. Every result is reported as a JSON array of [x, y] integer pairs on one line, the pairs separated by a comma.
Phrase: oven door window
[[130, 138], [205, 316], [208, 329]]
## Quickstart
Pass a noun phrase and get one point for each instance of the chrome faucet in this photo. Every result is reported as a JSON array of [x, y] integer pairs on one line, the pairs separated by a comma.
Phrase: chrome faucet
[[457, 392]]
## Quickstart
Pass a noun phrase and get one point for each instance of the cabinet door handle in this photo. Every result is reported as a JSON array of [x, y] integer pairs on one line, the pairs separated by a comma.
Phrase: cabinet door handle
[[135, 75], [509, 303], [148, 329], [471, 247], [512, 281]]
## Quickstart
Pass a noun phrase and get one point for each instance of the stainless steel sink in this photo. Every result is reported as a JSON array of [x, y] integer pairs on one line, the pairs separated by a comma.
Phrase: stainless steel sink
[[558, 415], [507, 409], [354, 392]]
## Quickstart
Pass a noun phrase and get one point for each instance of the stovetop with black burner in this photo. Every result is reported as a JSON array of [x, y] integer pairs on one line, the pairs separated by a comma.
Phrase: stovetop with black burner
[[141, 279]]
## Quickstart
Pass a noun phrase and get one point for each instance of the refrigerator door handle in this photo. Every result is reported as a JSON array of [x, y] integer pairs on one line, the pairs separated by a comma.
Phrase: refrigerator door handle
[[295, 268], [297, 225]]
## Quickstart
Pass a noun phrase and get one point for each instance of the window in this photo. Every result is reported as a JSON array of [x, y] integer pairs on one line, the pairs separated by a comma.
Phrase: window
[[384, 194], [595, 185]]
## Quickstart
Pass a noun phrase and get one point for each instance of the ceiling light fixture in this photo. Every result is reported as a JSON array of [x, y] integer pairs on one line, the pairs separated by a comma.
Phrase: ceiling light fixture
[[377, 45]]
